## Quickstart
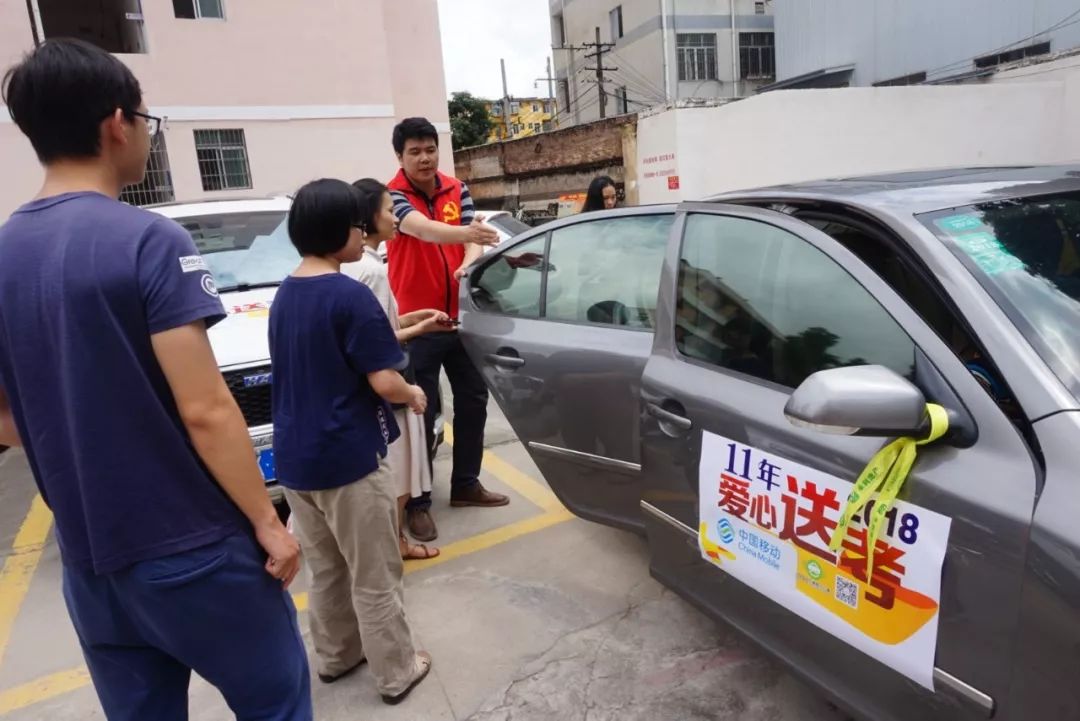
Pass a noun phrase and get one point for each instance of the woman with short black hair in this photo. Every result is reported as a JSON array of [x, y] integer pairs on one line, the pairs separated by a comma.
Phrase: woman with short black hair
[[336, 370]]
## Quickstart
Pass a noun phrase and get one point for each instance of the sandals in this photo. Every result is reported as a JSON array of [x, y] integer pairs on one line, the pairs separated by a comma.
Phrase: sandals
[[413, 554], [423, 663]]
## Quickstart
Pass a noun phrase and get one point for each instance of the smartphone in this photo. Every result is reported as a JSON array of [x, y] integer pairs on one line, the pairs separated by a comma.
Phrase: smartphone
[[450, 322]]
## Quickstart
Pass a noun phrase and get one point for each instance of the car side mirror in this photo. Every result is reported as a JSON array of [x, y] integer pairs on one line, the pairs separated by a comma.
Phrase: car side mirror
[[859, 400]]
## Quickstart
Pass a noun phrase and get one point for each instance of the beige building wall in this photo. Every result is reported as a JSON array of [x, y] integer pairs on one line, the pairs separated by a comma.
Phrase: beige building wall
[[316, 87]]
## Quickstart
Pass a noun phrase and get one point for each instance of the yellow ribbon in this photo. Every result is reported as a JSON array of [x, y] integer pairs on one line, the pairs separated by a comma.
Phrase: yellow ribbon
[[885, 475]]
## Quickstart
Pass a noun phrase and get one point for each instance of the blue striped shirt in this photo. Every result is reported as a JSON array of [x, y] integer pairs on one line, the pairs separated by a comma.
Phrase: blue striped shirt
[[403, 207]]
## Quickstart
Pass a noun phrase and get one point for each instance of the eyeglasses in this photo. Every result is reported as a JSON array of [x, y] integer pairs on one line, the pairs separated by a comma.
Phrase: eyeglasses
[[153, 124]]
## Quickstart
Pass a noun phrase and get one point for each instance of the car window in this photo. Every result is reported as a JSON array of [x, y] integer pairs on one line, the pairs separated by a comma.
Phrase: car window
[[1026, 254], [508, 224], [608, 271], [759, 300], [511, 283], [244, 248]]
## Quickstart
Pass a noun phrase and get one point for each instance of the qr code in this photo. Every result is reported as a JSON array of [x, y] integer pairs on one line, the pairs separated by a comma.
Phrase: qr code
[[847, 592]]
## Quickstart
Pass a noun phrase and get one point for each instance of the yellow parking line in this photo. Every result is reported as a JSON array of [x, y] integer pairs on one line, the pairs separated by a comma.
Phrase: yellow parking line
[[532, 490], [19, 567], [57, 684], [474, 544], [43, 689]]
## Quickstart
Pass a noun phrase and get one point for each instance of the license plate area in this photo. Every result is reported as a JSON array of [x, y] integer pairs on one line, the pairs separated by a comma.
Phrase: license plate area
[[265, 457]]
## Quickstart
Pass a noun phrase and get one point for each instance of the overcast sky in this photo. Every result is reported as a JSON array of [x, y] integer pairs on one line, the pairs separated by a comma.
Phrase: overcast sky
[[476, 33]]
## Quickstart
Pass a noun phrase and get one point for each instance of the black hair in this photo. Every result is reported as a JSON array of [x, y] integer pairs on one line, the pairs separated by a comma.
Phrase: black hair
[[594, 199], [323, 214], [61, 92], [371, 198], [413, 129]]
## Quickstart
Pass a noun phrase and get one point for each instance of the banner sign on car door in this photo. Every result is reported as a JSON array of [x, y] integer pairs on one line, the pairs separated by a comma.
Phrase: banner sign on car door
[[768, 521]]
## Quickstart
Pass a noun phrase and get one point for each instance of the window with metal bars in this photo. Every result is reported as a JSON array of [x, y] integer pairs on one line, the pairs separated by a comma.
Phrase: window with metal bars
[[696, 55], [197, 9], [223, 159], [913, 79], [157, 186], [757, 55], [1009, 56]]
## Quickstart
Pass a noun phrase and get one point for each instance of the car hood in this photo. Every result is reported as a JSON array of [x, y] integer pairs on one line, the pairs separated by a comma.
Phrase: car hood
[[241, 339]]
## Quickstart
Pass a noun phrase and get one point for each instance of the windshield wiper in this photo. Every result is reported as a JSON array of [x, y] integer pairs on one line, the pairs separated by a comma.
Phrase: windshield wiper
[[241, 287]]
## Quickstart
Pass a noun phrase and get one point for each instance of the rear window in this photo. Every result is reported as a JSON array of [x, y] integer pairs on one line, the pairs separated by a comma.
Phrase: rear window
[[1026, 253]]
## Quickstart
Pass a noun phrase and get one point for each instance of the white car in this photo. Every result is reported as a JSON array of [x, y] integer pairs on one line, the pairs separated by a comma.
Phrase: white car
[[247, 248]]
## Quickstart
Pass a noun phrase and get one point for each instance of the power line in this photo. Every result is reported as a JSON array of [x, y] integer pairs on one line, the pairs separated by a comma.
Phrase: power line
[[1064, 22], [1044, 71], [581, 106], [630, 85], [640, 75]]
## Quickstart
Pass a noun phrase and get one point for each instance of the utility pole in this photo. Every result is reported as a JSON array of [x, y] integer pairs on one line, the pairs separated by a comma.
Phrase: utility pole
[[551, 90], [505, 103], [601, 48]]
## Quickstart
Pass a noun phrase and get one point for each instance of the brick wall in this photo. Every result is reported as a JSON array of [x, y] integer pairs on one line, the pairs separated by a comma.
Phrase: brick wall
[[550, 164]]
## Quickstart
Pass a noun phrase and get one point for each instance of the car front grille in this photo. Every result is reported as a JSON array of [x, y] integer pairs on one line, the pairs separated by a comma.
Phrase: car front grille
[[254, 400]]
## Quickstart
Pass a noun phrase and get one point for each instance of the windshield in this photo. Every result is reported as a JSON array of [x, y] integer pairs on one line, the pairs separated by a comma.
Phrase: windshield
[[244, 249], [508, 224], [1026, 253]]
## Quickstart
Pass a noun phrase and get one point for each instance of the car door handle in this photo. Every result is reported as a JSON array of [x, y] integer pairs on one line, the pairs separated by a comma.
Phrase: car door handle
[[504, 361], [663, 414]]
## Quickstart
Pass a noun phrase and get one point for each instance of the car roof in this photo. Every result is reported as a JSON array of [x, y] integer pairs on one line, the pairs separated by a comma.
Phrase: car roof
[[222, 207], [923, 191]]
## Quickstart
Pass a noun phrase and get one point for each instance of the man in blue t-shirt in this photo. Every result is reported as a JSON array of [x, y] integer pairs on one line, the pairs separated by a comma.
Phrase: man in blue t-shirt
[[174, 558]]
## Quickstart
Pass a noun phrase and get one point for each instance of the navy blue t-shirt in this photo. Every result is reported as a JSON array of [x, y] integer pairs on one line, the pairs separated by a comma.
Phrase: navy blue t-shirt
[[327, 332], [84, 282]]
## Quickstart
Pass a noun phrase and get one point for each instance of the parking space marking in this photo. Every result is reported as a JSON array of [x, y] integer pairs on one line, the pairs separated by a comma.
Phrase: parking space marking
[[43, 689], [19, 567], [475, 544], [521, 483], [30, 541]]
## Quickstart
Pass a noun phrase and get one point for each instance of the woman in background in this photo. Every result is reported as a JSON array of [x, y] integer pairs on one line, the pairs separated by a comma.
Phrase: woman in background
[[602, 195]]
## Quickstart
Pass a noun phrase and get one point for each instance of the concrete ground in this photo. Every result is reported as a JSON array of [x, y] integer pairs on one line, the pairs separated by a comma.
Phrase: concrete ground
[[530, 614]]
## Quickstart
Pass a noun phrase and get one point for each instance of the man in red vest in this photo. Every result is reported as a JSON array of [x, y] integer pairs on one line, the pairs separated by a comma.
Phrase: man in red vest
[[438, 236]]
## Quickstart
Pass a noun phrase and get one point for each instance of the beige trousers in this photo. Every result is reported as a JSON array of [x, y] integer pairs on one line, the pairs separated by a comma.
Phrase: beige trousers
[[349, 539]]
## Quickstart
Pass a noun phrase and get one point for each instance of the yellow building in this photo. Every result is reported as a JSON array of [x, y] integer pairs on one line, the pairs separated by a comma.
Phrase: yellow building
[[528, 116]]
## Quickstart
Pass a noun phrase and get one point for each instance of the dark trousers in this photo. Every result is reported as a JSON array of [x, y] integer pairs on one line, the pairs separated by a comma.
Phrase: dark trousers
[[430, 353], [214, 610]]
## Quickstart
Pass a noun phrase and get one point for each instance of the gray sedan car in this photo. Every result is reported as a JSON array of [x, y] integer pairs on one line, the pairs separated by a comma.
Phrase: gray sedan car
[[717, 375]]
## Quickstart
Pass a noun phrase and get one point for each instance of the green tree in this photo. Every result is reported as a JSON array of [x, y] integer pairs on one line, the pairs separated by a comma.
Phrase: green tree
[[469, 120]]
